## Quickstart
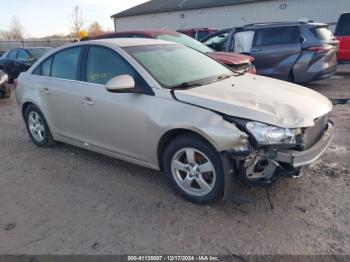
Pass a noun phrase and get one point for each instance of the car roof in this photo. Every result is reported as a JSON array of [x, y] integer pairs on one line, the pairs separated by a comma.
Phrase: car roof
[[33, 48], [128, 42], [278, 24], [149, 33], [199, 28], [29, 48]]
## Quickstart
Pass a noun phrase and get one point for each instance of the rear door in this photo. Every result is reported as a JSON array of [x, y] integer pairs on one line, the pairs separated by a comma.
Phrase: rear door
[[342, 33], [275, 50], [61, 91]]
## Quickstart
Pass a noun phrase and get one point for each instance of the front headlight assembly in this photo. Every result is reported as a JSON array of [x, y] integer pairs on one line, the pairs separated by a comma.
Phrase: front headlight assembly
[[271, 135]]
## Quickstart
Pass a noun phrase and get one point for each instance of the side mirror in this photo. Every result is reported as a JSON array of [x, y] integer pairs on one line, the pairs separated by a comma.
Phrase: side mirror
[[30, 59], [121, 84]]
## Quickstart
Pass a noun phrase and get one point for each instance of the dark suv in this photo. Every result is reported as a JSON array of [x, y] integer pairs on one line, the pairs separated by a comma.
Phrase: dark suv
[[296, 51]]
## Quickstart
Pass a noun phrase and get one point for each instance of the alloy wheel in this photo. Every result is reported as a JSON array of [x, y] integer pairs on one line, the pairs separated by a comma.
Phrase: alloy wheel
[[36, 126], [193, 171]]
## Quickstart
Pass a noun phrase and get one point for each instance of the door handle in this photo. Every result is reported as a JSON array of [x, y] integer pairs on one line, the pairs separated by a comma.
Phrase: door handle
[[256, 50], [88, 101], [46, 90]]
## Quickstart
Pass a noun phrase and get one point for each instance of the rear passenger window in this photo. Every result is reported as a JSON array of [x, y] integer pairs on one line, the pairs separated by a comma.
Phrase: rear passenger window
[[46, 67], [65, 64], [278, 36], [104, 64], [12, 54]]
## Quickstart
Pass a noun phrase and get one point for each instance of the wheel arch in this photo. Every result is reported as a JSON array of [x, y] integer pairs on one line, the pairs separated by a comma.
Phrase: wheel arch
[[170, 135], [26, 104]]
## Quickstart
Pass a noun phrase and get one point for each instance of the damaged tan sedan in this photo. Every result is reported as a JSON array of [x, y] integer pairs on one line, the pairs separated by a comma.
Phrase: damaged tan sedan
[[168, 107]]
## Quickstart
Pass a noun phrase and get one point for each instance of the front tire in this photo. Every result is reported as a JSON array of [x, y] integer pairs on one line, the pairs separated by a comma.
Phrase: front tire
[[37, 127], [194, 169]]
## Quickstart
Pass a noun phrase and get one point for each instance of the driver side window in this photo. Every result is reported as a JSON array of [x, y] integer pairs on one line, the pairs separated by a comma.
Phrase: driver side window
[[103, 64], [22, 55], [218, 42]]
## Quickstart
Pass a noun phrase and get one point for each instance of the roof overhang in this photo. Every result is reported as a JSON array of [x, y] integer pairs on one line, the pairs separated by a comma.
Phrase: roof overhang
[[161, 6]]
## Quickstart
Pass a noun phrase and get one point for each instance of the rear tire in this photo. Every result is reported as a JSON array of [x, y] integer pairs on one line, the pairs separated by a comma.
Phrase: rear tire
[[194, 169], [37, 127]]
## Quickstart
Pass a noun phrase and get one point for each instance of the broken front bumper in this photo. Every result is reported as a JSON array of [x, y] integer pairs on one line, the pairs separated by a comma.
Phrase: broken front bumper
[[303, 158]]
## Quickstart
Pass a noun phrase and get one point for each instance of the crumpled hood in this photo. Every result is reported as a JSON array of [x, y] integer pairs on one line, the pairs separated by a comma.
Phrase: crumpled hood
[[261, 99], [231, 58]]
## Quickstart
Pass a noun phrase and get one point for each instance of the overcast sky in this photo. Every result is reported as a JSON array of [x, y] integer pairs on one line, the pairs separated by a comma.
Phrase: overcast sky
[[47, 17]]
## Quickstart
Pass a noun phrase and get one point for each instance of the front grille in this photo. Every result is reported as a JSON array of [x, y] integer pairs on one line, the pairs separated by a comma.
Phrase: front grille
[[312, 134]]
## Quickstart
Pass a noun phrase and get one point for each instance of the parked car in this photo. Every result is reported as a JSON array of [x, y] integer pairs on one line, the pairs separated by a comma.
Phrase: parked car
[[168, 107], [5, 90], [296, 51], [197, 33], [18, 60], [342, 33], [236, 61]]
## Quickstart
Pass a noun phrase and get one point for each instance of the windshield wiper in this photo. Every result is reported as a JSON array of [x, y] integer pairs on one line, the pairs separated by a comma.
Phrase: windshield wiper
[[185, 85]]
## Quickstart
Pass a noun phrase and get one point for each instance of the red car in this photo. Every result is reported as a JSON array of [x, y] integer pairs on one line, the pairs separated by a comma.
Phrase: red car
[[238, 62], [342, 32], [197, 33]]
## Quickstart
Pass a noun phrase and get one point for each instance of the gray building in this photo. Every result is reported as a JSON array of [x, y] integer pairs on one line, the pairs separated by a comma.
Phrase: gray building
[[184, 14]]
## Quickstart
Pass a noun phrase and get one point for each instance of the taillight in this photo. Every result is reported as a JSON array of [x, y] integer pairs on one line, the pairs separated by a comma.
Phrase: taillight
[[320, 49]]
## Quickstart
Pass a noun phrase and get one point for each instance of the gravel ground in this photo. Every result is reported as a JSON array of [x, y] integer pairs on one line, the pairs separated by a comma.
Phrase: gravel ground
[[65, 200]]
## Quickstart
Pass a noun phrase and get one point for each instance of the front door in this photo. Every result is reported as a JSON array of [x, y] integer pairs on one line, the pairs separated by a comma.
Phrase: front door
[[113, 122]]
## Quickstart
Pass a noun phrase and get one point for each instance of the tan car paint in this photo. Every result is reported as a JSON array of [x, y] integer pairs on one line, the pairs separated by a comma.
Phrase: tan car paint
[[126, 126], [261, 99], [130, 126]]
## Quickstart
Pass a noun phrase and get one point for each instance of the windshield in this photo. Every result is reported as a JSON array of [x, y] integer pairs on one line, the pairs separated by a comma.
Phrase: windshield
[[173, 65], [38, 52], [187, 41]]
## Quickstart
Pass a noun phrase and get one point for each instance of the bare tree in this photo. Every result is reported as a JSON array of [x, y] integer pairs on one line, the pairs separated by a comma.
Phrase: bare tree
[[95, 29], [76, 21], [16, 30]]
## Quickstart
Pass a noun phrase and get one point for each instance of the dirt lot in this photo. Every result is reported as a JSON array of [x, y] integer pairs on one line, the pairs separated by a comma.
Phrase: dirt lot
[[64, 200]]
